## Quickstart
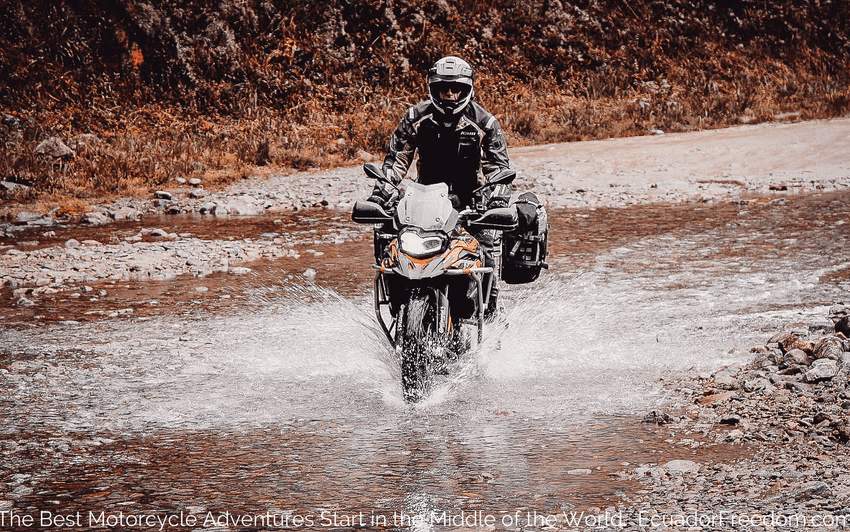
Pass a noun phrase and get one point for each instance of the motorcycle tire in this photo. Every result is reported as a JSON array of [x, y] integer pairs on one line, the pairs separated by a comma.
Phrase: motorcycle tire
[[417, 338]]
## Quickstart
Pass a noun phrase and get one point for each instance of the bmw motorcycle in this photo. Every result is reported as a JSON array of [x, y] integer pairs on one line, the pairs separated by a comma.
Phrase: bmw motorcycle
[[431, 285]]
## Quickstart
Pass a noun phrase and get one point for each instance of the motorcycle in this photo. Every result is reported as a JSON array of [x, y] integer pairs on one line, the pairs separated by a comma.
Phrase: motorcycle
[[430, 278]]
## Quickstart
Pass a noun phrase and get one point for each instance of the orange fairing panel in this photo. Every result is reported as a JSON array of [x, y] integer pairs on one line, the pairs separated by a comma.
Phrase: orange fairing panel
[[464, 247]]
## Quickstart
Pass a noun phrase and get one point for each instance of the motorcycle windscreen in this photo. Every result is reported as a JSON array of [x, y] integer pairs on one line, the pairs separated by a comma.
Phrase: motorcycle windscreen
[[427, 207]]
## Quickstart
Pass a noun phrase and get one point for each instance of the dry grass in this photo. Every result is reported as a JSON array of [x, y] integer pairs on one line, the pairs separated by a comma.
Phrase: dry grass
[[261, 88]]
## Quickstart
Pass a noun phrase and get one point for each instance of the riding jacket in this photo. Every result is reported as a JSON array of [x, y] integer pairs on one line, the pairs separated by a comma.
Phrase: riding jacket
[[452, 153]]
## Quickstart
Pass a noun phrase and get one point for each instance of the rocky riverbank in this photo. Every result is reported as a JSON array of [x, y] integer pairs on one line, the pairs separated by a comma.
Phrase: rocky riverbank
[[789, 408]]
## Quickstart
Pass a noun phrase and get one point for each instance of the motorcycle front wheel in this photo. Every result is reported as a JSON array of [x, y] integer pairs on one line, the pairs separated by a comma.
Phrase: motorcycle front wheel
[[420, 343]]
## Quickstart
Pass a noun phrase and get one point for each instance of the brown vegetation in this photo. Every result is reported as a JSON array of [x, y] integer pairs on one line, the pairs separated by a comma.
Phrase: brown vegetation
[[184, 89]]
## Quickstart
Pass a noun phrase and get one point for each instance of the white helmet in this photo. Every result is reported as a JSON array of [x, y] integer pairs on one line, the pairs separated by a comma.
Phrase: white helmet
[[455, 72]]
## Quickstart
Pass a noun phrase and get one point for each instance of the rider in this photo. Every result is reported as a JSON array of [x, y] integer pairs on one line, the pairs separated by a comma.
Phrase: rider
[[457, 139]]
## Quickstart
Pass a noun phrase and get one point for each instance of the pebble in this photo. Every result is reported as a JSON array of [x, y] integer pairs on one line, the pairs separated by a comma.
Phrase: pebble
[[309, 273]]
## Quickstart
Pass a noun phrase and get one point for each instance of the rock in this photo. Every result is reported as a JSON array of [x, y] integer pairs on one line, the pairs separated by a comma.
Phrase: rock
[[173, 209], [53, 147], [207, 208], [724, 379], [657, 418], [716, 398], [656, 132], [155, 232], [788, 341], [6, 505], [681, 467], [807, 491], [72, 243], [239, 270], [309, 273], [822, 369], [839, 313], [829, 347], [237, 207], [795, 357], [730, 419], [26, 217], [579, 472], [161, 194], [201, 289], [24, 302], [195, 182], [759, 384], [180, 180], [197, 193], [94, 218], [83, 140], [124, 214], [9, 186]]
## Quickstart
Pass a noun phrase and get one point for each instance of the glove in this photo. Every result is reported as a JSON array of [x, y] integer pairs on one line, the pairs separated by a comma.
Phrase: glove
[[380, 195], [496, 202]]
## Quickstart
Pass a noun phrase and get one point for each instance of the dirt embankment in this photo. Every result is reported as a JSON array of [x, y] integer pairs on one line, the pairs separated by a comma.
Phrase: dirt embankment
[[137, 94]]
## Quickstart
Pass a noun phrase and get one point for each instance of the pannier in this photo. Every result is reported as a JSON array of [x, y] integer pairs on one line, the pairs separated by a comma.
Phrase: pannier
[[524, 250]]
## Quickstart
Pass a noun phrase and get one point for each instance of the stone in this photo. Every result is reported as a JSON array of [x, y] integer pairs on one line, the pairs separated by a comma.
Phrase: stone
[[201, 289], [795, 357], [839, 313], [309, 273], [9, 186], [759, 384], [24, 302], [656, 132], [809, 490], [730, 419], [716, 398], [579, 472], [829, 347], [161, 194], [180, 180], [822, 369], [94, 218], [207, 208], [681, 467], [154, 232], [83, 140], [239, 270], [26, 217], [124, 214], [236, 207], [724, 379], [197, 193], [72, 243], [195, 182], [54, 148]]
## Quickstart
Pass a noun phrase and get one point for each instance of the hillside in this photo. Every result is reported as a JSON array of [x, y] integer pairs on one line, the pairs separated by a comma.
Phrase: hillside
[[144, 92]]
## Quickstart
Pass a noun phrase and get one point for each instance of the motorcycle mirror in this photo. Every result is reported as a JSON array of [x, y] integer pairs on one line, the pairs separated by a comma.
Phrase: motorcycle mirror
[[373, 171], [502, 178]]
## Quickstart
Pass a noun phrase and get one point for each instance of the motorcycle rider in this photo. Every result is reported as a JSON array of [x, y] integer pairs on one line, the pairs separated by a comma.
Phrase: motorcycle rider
[[457, 140]]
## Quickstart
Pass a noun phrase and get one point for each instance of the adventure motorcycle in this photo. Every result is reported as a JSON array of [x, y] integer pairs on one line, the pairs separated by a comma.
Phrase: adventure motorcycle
[[430, 275]]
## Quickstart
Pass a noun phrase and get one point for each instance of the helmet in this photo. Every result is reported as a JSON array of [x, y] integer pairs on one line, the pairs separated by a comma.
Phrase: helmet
[[453, 72]]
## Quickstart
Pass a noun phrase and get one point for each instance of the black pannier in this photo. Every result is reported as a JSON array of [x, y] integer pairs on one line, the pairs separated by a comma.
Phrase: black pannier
[[524, 250]]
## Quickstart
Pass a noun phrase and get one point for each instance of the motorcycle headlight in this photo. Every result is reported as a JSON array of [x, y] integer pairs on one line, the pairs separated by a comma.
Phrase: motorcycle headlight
[[418, 245]]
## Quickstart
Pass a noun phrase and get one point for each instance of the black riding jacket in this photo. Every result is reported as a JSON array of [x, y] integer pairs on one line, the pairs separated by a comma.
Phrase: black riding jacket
[[454, 154]]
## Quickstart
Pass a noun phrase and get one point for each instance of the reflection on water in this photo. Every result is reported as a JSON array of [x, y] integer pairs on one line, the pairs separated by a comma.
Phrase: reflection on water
[[293, 401]]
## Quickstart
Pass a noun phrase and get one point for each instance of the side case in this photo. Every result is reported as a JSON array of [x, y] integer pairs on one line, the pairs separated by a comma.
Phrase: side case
[[524, 250]]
